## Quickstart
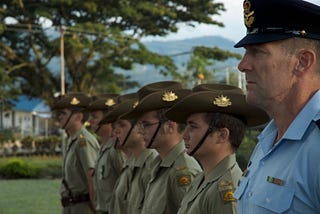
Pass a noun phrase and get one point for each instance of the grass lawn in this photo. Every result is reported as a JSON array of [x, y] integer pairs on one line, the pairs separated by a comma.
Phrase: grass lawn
[[30, 196]]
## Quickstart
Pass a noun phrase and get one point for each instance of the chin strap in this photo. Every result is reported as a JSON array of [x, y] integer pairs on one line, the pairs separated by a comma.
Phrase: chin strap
[[133, 123], [155, 133], [209, 130]]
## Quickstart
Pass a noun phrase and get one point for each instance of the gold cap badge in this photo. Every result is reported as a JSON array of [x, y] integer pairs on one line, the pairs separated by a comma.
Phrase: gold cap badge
[[248, 14], [74, 101], [110, 102], [169, 96], [222, 101]]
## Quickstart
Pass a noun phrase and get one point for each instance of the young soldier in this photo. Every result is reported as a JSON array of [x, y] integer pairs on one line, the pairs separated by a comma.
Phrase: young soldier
[[110, 161], [119, 202], [216, 118], [129, 190], [77, 192], [174, 170]]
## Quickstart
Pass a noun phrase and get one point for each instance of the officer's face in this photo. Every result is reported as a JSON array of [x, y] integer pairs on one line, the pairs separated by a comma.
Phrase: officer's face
[[270, 73]]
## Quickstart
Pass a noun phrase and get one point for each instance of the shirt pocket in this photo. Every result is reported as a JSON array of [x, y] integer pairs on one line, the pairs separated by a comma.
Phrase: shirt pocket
[[241, 188], [273, 197]]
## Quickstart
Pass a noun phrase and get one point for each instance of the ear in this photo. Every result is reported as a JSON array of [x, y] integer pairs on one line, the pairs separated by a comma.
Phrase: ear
[[169, 126], [306, 59], [223, 135], [78, 116]]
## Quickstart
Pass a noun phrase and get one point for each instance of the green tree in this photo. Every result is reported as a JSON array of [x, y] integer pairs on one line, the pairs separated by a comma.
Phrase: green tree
[[200, 67], [99, 36]]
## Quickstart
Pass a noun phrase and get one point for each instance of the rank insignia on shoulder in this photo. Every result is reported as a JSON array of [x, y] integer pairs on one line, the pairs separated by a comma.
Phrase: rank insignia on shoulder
[[184, 180], [82, 141]]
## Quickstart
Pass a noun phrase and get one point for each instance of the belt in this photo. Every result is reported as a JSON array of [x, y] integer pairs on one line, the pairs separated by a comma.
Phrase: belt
[[68, 201]]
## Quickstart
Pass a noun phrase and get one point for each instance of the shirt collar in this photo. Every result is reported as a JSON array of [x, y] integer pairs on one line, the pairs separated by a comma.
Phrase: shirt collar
[[173, 155], [310, 112]]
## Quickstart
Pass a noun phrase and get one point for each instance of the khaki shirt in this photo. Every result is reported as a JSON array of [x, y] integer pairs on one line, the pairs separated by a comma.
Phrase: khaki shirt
[[119, 202], [140, 178], [107, 170], [80, 156], [215, 194], [170, 180]]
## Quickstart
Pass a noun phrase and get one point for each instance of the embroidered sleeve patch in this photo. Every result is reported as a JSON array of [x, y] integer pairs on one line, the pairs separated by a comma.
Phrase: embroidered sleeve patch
[[226, 191], [228, 196], [184, 180]]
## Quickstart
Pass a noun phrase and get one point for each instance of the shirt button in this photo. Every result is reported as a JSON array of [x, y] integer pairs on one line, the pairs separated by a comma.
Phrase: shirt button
[[249, 194], [262, 163], [267, 200]]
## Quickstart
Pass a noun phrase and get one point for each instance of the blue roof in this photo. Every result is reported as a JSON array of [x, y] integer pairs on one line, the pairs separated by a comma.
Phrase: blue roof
[[27, 104]]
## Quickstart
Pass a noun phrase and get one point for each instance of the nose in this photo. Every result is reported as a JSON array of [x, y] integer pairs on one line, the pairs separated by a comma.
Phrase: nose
[[241, 65], [186, 136]]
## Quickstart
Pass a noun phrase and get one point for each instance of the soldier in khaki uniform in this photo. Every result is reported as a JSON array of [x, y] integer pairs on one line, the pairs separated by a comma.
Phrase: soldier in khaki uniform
[[110, 161], [81, 152], [118, 203], [216, 117], [130, 188], [173, 170]]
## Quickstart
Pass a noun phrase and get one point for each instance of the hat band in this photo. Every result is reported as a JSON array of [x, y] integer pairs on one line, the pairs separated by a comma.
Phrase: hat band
[[276, 30]]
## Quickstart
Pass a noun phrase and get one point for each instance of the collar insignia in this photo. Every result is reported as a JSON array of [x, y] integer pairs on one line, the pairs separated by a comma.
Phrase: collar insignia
[[222, 101], [110, 102], [74, 101], [169, 96], [135, 104], [248, 14]]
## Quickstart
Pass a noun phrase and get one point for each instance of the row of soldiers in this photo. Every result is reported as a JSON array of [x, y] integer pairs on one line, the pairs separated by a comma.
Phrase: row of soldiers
[[164, 149]]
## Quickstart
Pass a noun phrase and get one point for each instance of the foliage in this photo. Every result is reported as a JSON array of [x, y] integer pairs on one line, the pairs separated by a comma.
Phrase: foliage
[[31, 167], [200, 68], [6, 135], [246, 148], [96, 38], [16, 168]]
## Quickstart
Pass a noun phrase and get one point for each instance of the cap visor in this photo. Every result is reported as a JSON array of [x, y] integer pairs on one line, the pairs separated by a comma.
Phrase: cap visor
[[259, 38]]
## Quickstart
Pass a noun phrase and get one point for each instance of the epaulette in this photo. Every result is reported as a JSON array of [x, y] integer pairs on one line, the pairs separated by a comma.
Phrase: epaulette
[[82, 141], [181, 168], [318, 123]]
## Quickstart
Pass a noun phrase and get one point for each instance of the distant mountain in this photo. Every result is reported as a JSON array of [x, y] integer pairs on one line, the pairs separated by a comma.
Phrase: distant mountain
[[180, 51]]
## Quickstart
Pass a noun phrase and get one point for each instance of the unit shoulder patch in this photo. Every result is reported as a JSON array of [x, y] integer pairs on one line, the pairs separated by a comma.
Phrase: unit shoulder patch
[[226, 190], [184, 180]]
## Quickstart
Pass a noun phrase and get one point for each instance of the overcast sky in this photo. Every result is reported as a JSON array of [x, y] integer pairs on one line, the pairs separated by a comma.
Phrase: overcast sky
[[232, 18]]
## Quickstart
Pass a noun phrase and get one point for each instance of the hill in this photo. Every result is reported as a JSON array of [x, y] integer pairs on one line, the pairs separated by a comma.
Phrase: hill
[[180, 51]]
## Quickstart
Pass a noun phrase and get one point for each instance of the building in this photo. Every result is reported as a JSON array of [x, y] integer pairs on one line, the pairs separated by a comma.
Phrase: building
[[29, 116]]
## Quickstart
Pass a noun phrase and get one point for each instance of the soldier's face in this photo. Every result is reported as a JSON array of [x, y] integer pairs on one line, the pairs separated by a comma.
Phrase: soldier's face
[[148, 124], [63, 117], [95, 118], [194, 132], [122, 128]]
